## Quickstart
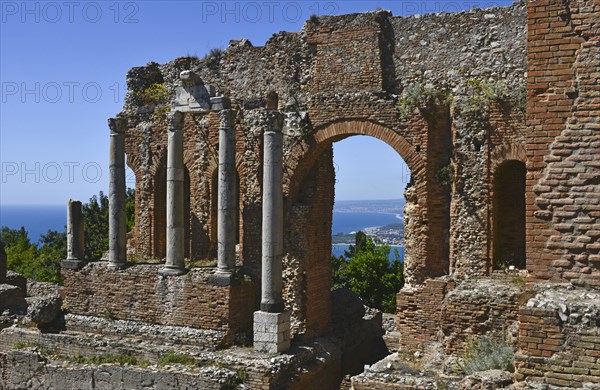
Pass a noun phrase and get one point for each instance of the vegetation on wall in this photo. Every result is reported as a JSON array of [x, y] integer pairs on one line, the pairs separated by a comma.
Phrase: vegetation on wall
[[445, 175], [156, 93], [486, 353], [365, 269], [482, 92], [41, 261], [421, 96]]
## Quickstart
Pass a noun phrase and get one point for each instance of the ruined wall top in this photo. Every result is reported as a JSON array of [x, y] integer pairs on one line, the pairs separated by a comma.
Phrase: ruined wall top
[[381, 54]]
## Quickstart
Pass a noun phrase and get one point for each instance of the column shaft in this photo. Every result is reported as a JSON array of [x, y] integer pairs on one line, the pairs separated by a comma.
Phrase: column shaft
[[227, 201], [117, 228], [75, 237], [272, 222], [175, 187]]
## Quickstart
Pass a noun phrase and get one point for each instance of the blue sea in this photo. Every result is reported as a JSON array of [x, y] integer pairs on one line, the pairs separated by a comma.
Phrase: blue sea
[[37, 220], [348, 222]]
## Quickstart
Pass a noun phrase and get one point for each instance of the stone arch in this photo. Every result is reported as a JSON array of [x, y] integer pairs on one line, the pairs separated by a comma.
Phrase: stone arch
[[307, 275]]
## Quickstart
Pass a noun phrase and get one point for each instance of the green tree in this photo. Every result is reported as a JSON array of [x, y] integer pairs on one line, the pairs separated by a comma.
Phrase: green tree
[[95, 218], [20, 252], [130, 208], [339, 267], [367, 271], [53, 249], [42, 262]]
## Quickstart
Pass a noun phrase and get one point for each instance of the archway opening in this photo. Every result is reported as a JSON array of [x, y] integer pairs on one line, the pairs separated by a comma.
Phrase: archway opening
[[509, 215], [361, 179], [130, 211], [159, 224], [368, 220]]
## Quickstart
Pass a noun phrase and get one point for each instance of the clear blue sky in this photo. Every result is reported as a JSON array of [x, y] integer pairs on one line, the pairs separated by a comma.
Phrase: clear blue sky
[[63, 67]]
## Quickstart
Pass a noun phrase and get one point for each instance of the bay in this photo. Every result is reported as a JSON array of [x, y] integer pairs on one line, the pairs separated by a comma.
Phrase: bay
[[348, 222], [37, 220]]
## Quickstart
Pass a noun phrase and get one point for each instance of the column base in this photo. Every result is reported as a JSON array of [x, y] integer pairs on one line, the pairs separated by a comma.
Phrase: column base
[[116, 266], [272, 331], [166, 271], [221, 278], [73, 264]]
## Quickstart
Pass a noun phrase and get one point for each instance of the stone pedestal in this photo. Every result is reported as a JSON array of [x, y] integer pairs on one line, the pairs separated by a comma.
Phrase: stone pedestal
[[272, 332]]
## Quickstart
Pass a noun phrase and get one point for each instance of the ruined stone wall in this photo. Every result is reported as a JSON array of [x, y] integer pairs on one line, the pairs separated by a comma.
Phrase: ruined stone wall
[[140, 293], [407, 81], [451, 310], [559, 338]]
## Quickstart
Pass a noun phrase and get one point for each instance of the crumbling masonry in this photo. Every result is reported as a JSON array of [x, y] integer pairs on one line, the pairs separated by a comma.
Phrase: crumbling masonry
[[496, 113]]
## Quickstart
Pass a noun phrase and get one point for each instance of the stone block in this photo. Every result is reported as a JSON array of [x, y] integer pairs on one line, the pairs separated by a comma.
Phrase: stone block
[[263, 317], [193, 98], [219, 103], [272, 332], [274, 337], [75, 265], [17, 280], [11, 296], [43, 311]]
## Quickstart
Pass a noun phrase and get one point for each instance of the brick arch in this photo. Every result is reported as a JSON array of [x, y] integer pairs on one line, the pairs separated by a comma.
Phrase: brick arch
[[503, 153], [301, 161], [339, 130], [133, 162]]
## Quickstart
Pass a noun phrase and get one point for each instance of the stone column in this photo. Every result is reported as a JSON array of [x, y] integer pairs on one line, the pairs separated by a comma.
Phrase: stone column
[[227, 208], [272, 323], [175, 187], [117, 227], [3, 264], [75, 236]]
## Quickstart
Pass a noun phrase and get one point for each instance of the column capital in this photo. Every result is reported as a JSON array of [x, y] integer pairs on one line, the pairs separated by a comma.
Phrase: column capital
[[227, 119], [175, 120], [274, 122], [117, 125]]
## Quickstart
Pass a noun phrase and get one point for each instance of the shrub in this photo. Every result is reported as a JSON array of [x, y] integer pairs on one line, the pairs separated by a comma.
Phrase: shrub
[[486, 353], [154, 94]]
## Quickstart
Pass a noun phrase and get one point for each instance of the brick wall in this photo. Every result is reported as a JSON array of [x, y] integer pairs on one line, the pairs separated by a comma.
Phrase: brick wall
[[139, 293], [452, 310], [563, 107], [419, 313], [559, 347]]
